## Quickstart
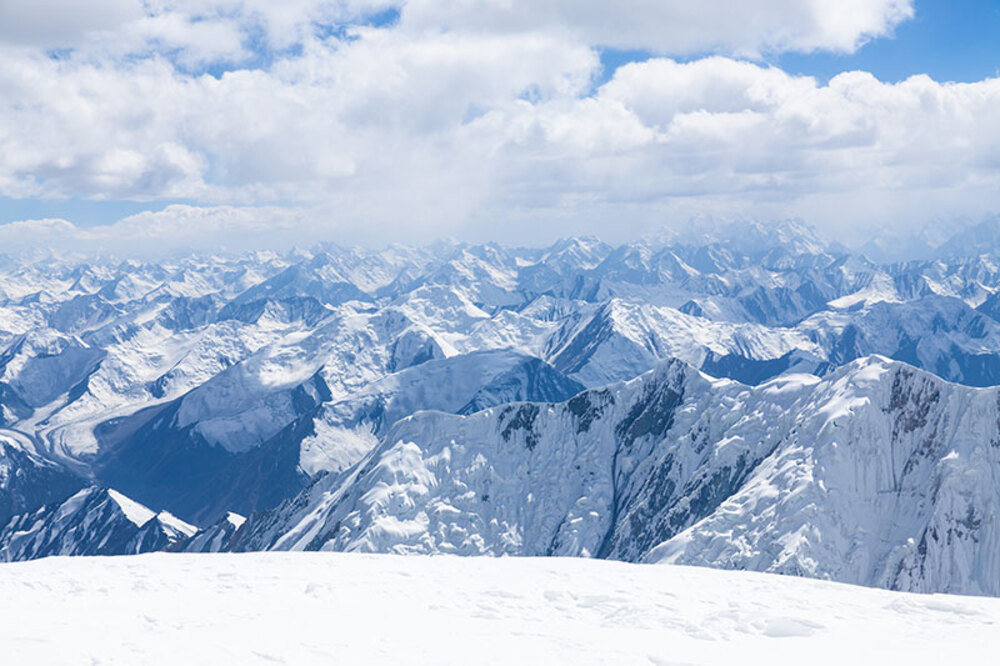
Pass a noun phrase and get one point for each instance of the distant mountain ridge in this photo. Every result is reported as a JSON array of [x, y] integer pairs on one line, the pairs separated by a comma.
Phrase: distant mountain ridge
[[265, 384]]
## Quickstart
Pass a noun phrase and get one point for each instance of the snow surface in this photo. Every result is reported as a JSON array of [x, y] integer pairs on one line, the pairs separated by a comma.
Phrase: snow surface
[[324, 608]]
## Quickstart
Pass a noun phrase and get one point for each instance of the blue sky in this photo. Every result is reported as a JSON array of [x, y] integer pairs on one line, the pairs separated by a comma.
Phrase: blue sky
[[950, 40], [83, 212], [443, 118]]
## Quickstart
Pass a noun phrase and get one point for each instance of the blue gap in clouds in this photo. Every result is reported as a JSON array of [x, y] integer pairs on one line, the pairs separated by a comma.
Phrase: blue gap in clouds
[[81, 212], [612, 59], [263, 56], [949, 40], [383, 19]]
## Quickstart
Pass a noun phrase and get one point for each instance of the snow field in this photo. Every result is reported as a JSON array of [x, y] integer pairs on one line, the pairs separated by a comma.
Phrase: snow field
[[334, 608]]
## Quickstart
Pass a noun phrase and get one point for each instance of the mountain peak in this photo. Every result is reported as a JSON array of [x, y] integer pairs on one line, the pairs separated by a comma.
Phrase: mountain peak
[[137, 513]]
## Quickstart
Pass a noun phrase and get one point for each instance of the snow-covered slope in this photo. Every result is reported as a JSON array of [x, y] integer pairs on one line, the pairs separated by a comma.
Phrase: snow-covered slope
[[28, 482], [94, 521], [215, 538], [324, 608], [941, 334], [621, 340], [207, 385], [879, 474], [982, 238], [345, 430]]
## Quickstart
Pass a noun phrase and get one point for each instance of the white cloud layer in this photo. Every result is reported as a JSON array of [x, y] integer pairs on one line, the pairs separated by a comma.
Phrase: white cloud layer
[[677, 26], [204, 29], [663, 26], [175, 228], [60, 23], [464, 114]]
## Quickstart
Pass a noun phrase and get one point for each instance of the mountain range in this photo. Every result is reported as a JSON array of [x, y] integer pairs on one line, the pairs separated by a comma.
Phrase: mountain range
[[748, 397]]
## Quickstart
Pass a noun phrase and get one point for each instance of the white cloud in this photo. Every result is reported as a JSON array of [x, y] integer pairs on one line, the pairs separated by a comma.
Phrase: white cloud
[[192, 32], [481, 119], [368, 110], [29, 232], [175, 228], [677, 26], [205, 30], [731, 136], [59, 23]]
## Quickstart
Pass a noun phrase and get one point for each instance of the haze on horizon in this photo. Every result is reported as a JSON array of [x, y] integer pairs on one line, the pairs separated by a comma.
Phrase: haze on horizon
[[207, 122]]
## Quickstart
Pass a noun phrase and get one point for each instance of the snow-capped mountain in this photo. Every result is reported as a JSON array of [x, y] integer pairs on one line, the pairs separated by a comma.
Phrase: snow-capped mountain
[[978, 239], [879, 474], [280, 387], [27, 481], [215, 538], [94, 521]]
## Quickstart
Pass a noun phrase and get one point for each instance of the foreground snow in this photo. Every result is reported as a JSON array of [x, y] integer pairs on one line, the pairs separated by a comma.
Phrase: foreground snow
[[302, 608]]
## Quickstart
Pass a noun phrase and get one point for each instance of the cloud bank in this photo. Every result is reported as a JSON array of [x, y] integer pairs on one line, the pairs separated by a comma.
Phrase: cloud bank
[[482, 118], [176, 228]]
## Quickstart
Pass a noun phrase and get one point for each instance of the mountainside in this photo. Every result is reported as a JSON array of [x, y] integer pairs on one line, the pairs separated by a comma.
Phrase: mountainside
[[94, 521], [486, 399], [879, 475], [28, 482]]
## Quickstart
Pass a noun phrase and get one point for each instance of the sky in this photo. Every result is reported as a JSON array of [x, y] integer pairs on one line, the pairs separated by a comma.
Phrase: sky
[[127, 123]]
